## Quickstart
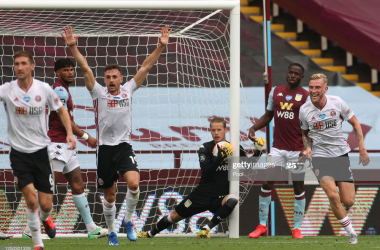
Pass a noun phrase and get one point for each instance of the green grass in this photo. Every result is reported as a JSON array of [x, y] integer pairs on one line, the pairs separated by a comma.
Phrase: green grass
[[270, 243]]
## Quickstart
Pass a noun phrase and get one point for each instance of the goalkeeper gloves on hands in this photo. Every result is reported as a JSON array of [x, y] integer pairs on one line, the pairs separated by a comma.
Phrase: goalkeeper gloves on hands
[[259, 144]]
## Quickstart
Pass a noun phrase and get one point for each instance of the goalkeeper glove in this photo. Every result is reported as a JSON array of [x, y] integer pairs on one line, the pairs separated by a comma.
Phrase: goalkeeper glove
[[259, 144]]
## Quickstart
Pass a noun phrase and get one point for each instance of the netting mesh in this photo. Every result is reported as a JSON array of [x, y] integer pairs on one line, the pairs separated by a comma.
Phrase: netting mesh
[[187, 87]]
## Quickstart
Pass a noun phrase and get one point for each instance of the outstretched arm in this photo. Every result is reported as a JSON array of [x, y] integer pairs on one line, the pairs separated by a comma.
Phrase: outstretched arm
[[152, 58], [71, 41], [364, 157]]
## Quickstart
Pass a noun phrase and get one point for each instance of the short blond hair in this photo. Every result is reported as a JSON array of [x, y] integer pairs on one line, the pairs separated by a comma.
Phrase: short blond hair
[[319, 76]]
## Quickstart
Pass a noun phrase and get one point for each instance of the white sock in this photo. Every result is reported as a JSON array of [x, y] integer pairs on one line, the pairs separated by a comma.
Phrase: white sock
[[35, 227], [346, 224], [91, 227], [132, 198], [27, 229], [109, 210], [44, 216]]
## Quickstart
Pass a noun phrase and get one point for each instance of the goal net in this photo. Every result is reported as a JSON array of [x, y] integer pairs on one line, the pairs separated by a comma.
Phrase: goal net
[[186, 88]]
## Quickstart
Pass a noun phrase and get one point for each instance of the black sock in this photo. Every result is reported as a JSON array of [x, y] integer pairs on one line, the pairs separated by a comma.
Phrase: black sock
[[222, 212], [161, 225]]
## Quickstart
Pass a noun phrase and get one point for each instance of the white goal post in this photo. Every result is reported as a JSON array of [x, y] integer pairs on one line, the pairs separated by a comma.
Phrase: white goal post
[[233, 6]]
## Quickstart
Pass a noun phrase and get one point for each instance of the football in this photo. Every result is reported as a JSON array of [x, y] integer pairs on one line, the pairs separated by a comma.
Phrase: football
[[225, 146]]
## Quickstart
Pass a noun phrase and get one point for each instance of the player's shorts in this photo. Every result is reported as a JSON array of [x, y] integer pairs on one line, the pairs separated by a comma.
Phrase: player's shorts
[[63, 159], [285, 159], [337, 167], [33, 168], [112, 160], [195, 204]]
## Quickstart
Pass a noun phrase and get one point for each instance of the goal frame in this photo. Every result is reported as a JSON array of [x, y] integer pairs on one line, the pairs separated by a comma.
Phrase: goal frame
[[232, 5]]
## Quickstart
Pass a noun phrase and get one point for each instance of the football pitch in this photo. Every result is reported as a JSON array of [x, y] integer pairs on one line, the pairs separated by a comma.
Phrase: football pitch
[[270, 243]]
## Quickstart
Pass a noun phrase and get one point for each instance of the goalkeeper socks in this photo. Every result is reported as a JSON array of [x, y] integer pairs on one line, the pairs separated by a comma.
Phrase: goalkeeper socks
[[164, 223], [44, 216], [223, 211], [346, 224], [132, 198], [34, 224], [264, 201], [299, 210], [81, 203], [109, 211]]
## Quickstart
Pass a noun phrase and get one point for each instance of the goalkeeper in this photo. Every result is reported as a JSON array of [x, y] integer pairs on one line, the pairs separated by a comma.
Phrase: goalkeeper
[[212, 192]]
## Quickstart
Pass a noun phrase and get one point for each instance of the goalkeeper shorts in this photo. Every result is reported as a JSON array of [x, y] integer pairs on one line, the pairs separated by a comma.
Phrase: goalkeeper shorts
[[195, 204], [33, 168]]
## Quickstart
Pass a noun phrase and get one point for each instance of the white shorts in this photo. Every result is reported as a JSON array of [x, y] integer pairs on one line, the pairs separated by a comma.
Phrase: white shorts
[[63, 159], [284, 158]]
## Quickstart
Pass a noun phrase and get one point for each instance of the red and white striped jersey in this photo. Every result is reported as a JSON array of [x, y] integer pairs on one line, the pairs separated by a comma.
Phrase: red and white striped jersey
[[113, 114], [26, 114]]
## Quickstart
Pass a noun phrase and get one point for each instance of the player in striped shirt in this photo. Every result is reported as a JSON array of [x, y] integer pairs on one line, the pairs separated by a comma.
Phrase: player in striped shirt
[[321, 121], [113, 119]]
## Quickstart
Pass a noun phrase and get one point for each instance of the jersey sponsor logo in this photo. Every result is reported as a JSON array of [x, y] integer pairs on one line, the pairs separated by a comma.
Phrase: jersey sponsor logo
[[38, 98], [116, 98], [288, 97], [280, 94], [222, 168], [26, 98], [202, 158], [286, 105], [188, 203], [285, 114], [118, 103], [332, 113], [322, 116], [298, 97], [325, 124], [28, 110]]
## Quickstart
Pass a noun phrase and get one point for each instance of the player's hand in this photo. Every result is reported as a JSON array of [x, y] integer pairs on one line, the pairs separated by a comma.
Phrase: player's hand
[[259, 144], [251, 134], [221, 155], [364, 158], [92, 142], [69, 36], [164, 38], [71, 141], [306, 152]]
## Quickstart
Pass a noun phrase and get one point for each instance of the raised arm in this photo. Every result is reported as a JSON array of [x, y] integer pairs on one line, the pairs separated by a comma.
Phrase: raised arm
[[65, 118], [364, 157], [71, 41], [152, 58]]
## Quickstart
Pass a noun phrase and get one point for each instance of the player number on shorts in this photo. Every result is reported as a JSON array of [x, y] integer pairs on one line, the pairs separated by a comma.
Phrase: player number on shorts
[[133, 159], [51, 182]]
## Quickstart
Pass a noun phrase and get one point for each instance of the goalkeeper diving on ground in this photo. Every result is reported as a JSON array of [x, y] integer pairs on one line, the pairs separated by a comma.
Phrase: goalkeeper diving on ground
[[212, 192]]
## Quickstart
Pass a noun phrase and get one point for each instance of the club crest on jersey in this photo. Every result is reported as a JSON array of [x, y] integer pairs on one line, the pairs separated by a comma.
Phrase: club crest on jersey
[[298, 97], [202, 158], [348, 112], [289, 97], [124, 95], [322, 116], [188, 203], [26, 98], [333, 113], [38, 98]]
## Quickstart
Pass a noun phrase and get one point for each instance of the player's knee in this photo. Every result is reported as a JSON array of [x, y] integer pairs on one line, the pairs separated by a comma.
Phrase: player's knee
[[110, 196], [267, 185], [175, 217], [133, 186], [333, 197], [348, 202], [231, 201], [77, 188], [32, 203], [298, 188], [46, 207]]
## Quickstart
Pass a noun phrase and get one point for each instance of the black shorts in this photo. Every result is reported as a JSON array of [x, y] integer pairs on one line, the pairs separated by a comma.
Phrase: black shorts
[[337, 167], [112, 160], [33, 168], [195, 204]]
